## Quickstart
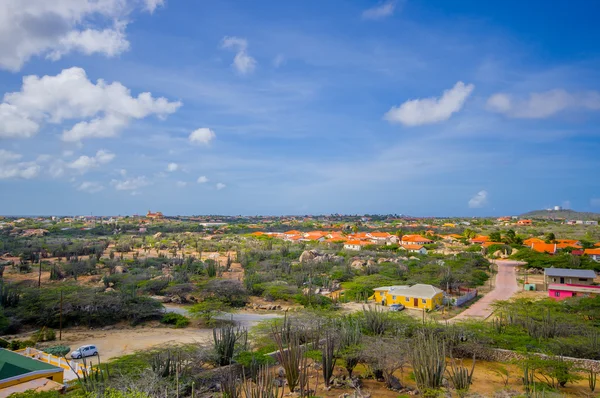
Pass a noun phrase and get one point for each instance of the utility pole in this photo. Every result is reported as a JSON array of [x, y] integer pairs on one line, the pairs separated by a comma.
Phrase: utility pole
[[40, 272], [60, 317]]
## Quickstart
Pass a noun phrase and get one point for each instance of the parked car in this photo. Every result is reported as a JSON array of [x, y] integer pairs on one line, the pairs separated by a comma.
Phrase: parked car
[[396, 307], [84, 351]]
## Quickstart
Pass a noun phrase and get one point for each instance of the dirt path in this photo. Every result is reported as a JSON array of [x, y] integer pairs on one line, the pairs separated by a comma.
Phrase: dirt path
[[118, 342], [506, 286]]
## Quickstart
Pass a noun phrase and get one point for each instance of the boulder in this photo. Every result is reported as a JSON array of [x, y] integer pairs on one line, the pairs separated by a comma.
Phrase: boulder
[[357, 264], [119, 269], [371, 263], [308, 255]]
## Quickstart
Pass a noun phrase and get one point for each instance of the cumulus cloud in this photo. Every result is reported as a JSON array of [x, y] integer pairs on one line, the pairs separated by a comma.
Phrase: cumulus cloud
[[242, 62], [220, 186], [10, 167], [83, 164], [479, 200], [431, 110], [55, 28], [202, 180], [181, 184], [152, 5], [130, 184], [202, 136], [380, 11], [90, 187], [171, 167], [104, 109], [544, 104]]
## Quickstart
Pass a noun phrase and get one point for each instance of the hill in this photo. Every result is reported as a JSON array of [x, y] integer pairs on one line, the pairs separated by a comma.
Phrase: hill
[[561, 214]]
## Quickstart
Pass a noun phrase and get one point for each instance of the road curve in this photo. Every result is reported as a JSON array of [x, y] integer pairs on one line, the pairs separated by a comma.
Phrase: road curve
[[506, 285]]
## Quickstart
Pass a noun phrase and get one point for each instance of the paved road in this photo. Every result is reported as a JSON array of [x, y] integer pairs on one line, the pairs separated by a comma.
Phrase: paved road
[[505, 287], [240, 318]]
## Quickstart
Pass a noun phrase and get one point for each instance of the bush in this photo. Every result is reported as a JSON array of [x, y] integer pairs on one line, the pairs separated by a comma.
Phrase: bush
[[154, 286], [177, 320], [58, 350], [20, 344], [278, 291]]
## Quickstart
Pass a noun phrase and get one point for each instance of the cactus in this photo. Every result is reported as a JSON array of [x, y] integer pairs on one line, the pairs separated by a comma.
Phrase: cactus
[[225, 339], [264, 386], [592, 375], [327, 357], [461, 377], [230, 386], [428, 358]]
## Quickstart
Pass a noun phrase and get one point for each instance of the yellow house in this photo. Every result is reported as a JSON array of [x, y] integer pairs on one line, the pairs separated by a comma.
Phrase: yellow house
[[16, 370], [416, 296]]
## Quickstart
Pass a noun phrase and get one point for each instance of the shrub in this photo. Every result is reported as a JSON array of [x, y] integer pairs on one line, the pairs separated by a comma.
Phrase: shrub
[[58, 350], [177, 320]]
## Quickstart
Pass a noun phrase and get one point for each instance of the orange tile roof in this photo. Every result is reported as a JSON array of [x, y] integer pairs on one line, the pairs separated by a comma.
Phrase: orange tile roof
[[415, 238], [412, 247], [565, 245], [488, 244], [292, 232], [544, 247], [357, 242], [481, 238], [257, 233], [597, 244], [380, 234], [530, 241], [592, 251]]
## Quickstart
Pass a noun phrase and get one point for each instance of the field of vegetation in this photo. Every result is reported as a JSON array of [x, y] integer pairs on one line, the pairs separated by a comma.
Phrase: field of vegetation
[[120, 276]]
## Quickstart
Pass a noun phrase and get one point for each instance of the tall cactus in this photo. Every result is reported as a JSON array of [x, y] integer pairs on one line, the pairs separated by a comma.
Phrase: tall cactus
[[592, 375], [428, 358], [327, 357], [461, 377], [225, 339]]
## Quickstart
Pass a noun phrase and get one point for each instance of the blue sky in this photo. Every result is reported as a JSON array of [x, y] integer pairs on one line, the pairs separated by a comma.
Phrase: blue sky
[[464, 108]]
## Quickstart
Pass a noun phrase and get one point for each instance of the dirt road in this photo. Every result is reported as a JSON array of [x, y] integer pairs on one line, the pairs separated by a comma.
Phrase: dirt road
[[506, 285], [118, 342]]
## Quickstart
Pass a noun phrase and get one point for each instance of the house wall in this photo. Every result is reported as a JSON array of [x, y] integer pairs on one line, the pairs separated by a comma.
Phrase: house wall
[[569, 280], [54, 376], [408, 301], [559, 294]]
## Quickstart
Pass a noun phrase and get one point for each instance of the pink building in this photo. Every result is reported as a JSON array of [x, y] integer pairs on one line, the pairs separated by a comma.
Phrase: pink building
[[561, 292]]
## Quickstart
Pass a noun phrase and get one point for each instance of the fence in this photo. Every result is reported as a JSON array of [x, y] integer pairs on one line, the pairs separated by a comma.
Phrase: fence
[[460, 300]]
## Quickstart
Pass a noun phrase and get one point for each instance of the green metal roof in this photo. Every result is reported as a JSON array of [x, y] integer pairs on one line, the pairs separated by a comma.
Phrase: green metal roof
[[13, 364]]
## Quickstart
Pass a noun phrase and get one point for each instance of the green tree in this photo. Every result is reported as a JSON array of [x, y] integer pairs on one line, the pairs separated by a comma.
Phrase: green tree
[[496, 236], [208, 309]]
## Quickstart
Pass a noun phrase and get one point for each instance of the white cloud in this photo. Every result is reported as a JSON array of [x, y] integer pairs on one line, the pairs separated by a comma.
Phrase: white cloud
[[15, 124], [242, 62], [202, 135], [479, 200], [54, 28], [9, 169], [431, 110], [90, 187], [220, 186], [279, 60], [595, 202], [544, 104], [152, 5], [83, 164], [202, 180], [8, 156], [110, 42], [181, 184], [380, 11], [70, 95], [171, 167], [130, 184], [67, 153]]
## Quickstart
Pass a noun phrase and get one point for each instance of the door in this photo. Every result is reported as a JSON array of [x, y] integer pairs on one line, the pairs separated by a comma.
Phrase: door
[[562, 280], [416, 302]]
